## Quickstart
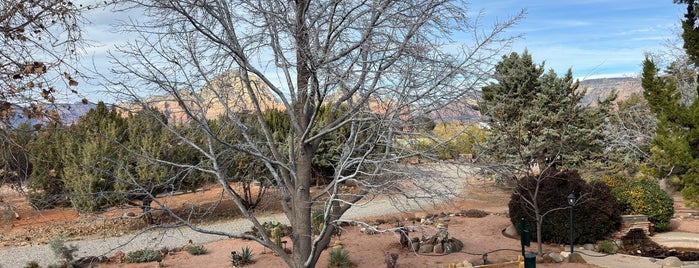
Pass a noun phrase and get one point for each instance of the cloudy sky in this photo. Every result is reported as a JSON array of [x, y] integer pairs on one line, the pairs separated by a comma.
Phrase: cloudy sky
[[596, 38]]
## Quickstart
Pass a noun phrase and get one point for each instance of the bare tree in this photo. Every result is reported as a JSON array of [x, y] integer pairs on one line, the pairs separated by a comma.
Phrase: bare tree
[[374, 64], [41, 42]]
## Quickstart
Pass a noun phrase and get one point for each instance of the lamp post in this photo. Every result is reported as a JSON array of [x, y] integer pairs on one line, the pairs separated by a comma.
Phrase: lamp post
[[571, 202]]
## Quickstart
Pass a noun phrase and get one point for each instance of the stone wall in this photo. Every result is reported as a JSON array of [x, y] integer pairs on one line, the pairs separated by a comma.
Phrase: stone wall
[[630, 222]]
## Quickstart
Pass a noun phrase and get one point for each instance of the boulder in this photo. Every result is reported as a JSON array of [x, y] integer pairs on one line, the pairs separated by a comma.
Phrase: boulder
[[554, 257], [511, 231], [671, 262], [576, 258], [589, 246]]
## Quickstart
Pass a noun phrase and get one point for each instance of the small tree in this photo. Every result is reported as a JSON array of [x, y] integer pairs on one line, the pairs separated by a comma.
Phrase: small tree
[[15, 165], [596, 216], [46, 185], [88, 156]]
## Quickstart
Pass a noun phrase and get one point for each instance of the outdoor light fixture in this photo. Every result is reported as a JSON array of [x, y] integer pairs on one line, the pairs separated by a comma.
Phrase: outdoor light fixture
[[571, 199], [571, 202]]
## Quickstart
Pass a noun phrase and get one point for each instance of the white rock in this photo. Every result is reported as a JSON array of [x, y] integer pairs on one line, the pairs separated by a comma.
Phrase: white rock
[[565, 254], [556, 257]]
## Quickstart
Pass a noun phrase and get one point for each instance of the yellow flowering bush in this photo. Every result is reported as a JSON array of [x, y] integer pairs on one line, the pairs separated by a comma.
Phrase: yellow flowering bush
[[642, 196]]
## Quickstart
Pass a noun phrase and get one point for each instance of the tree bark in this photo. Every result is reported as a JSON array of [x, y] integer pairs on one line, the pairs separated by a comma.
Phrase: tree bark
[[301, 204]]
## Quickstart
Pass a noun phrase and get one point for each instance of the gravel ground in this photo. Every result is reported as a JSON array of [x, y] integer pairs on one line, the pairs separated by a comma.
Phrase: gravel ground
[[450, 181]]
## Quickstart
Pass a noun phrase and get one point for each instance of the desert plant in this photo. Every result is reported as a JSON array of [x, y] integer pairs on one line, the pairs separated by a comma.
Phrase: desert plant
[[143, 255], [242, 258], [317, 220], [195, 249], [32, 264], [606, 247], [62, 251], [339, 258]]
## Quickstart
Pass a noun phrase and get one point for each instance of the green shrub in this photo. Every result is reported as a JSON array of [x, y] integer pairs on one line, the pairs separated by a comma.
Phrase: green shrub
[[339, 258], [605, 247], [195, 249], [645, 197], [243, 258], [144, 255], [596, 215]]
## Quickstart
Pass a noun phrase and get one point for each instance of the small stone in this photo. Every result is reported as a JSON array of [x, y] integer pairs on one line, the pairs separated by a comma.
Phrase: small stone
[[426, 248], [467, 264], [415, 246], [565, 254], [511, 231], [576, 258], [439, 248]]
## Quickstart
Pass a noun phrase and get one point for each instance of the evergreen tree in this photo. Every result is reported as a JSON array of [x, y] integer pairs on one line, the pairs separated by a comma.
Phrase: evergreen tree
[[537, 126], [46, 186], [15, 166], [90, 158], [536, 118], [674, 147], [141, 177]]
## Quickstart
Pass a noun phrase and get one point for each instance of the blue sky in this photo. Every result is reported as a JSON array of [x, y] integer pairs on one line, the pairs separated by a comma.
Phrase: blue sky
[[596, 38]]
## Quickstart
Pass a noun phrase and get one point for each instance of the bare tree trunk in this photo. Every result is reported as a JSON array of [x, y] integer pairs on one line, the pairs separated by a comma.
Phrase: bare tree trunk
[[539, 221], [301, 205], [146, 208]]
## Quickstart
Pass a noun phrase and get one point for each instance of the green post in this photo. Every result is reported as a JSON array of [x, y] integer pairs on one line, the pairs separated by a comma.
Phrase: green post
[[525, 239]]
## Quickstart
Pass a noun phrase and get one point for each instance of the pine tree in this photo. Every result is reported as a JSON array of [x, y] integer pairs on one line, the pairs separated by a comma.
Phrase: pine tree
[[674, 148], [535, 118], [46, 187], [537, 126], [139, 176], [90, 155]]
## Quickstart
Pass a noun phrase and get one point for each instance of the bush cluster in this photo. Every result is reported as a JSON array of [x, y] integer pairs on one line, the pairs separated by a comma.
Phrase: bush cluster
[[643, 196], [596, 214]]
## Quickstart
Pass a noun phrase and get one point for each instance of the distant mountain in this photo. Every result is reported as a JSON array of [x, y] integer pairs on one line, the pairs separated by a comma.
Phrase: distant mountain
[[67, 112], [601, 87], [225, 93], [239, 101]]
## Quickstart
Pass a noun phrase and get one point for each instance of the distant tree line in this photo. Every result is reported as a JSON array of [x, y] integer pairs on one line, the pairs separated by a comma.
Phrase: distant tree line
[[111, 158]]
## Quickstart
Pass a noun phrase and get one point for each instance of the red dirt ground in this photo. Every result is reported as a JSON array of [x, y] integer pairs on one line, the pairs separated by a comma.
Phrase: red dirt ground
[[479, 235]]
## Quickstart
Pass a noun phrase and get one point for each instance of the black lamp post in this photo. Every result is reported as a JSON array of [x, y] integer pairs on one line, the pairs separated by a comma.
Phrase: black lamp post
[[571, 202]]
